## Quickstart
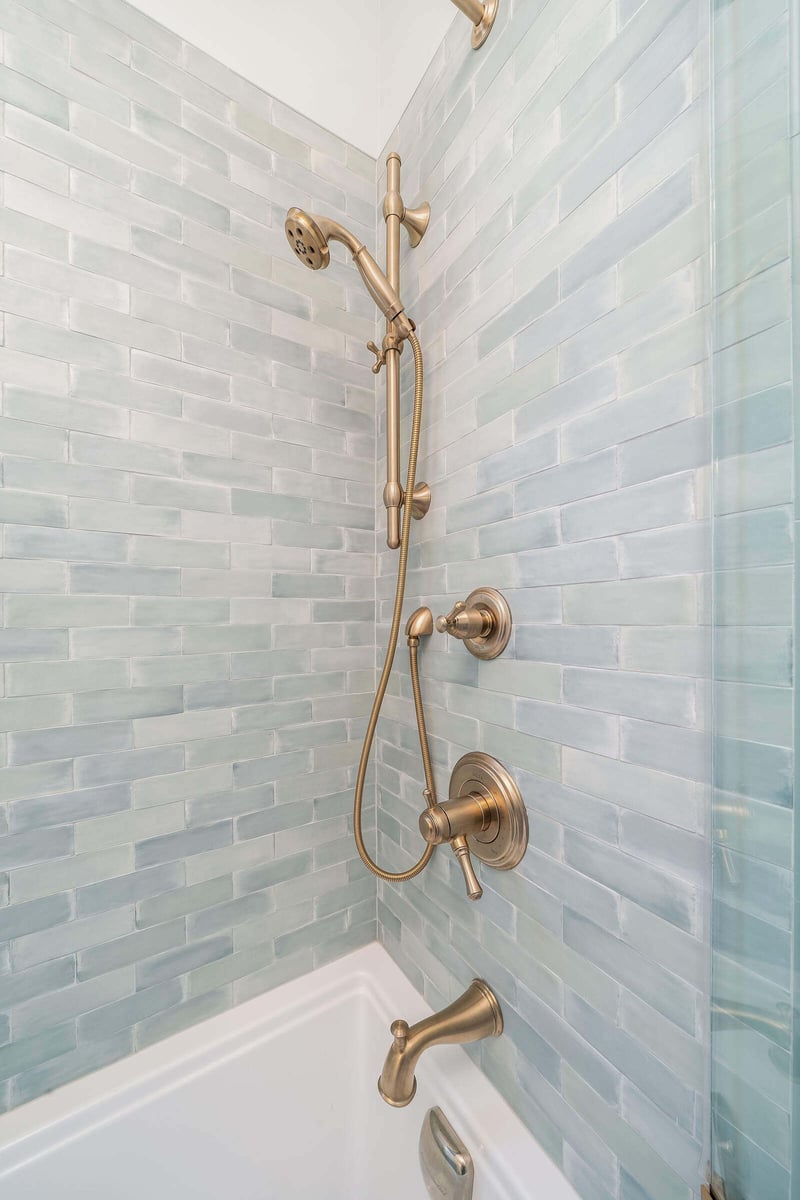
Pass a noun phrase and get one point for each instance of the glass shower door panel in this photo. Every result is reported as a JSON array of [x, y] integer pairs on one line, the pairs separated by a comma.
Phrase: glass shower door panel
[[754, 49]]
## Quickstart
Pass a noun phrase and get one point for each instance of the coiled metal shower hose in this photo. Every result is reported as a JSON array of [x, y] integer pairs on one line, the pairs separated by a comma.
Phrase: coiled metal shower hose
[[383, 683]]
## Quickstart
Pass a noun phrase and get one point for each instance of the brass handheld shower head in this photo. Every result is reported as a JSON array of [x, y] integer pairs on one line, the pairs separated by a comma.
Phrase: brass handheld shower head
[[309, 236]]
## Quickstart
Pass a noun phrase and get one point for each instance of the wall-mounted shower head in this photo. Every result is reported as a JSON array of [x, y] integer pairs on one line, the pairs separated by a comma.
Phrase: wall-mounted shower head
[[310, 235]]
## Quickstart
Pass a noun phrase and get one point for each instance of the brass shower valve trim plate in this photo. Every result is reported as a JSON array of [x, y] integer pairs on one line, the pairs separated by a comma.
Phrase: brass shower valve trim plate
[[501, 845]]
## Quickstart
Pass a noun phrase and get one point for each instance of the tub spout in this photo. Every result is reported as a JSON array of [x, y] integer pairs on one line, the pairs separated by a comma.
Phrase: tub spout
[[475, 1015]]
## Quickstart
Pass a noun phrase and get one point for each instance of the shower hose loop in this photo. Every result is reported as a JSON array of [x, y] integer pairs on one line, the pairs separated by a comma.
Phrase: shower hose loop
[[383, 682]]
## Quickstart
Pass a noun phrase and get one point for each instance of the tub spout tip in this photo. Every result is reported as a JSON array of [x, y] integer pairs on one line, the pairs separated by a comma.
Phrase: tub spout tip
[[395, 1103]]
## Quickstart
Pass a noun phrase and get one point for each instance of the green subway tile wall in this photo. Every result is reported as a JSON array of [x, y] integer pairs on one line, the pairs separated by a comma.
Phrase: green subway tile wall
[[562, 293], [187, 436]]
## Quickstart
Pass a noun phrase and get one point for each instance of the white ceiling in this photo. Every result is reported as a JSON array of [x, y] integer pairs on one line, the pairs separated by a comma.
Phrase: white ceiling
[[350, 65]]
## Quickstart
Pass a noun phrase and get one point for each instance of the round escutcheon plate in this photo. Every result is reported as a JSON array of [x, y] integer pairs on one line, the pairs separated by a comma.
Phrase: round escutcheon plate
[[480, 773]]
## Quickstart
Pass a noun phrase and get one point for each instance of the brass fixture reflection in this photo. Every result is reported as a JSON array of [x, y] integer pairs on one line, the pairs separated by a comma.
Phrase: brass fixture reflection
[[775, 1025], [482, 16], [482, 622], [485, 815], [726, 858], [473, 1016]]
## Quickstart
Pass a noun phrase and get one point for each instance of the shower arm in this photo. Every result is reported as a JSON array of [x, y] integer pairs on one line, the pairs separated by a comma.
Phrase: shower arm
[[482, 16], [474, 9], [416, 222]]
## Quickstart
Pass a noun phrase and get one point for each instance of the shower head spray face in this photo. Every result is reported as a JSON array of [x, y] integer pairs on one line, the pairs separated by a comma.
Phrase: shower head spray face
[[307, 239]]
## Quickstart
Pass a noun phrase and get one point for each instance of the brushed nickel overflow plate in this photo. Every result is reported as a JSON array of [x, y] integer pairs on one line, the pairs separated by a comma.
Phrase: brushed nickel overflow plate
[[482, 622]]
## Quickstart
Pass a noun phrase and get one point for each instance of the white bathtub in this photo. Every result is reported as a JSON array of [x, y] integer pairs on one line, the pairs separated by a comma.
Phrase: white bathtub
[[274, 1100]]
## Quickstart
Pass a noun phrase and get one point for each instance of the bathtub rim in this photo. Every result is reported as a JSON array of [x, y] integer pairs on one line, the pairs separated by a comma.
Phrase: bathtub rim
[[508, 1149]]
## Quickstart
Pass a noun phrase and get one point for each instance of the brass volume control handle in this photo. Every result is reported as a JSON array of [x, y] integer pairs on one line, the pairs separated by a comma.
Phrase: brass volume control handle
[[482, 622], [464, 623], [461, 850]]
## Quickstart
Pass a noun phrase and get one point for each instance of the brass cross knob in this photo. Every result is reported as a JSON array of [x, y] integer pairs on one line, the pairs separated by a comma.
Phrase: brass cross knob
[[380, 357]]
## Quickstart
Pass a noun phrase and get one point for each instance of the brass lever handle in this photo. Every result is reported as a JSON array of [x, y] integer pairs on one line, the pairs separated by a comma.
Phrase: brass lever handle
[[452, 820], [461, 850]]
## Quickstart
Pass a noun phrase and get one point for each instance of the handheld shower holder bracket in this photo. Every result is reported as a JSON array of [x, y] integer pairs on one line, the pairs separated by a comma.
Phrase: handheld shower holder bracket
[[390, 342], [415, 220], [421, 501], [394, 496]]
